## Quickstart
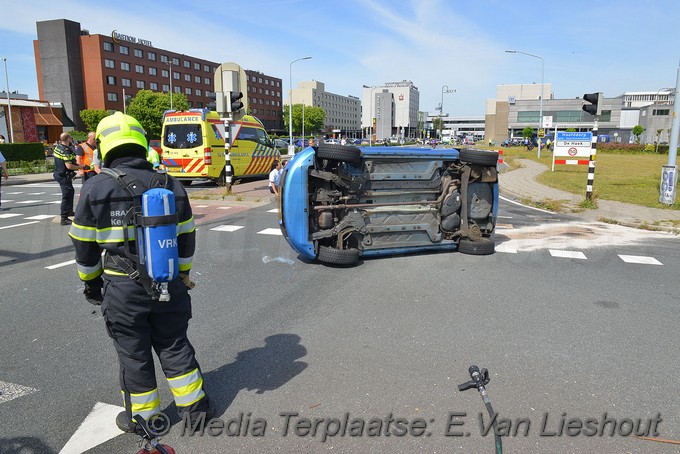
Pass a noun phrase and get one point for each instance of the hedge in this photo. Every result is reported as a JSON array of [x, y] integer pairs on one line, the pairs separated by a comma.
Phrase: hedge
[[32, 151]]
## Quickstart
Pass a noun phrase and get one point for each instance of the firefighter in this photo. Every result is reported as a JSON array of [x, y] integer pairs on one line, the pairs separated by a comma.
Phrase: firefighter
[[137, 322]]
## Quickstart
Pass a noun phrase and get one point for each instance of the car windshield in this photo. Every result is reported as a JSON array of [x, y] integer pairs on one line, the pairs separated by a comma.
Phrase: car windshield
[[183, 136]]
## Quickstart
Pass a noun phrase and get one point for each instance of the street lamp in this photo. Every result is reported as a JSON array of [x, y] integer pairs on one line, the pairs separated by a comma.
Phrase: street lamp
[[656, 101], [9, 103], [540, 114], [445, 89], [169, 63], [291, 146], [370, 115]]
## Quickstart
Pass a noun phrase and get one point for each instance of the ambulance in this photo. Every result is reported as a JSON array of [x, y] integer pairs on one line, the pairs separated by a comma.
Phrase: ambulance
[[193, 146]]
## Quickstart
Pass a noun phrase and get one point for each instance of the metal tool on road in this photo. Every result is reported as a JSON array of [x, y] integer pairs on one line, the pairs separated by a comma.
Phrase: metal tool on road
[[479, 380], [150, 443]]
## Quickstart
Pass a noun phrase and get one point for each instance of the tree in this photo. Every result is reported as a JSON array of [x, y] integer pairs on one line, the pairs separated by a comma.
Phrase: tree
[[658, 134], [148, 106], [637, 132], [528, 132], [571, 129], [92, 117], [437, 123], [314, 118]]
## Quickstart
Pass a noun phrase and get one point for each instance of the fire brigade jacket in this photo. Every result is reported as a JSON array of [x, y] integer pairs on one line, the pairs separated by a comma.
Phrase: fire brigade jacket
[[98, 223]]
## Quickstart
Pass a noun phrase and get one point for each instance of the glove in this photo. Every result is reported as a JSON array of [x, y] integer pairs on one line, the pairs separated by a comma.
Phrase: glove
[[187, 281], [86, 167], [93, 291]]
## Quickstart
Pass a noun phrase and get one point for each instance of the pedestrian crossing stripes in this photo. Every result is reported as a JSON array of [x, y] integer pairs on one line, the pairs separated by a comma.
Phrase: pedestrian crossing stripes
[[640, 260]]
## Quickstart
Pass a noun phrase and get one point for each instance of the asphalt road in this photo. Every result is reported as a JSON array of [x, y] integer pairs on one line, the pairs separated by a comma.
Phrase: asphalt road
[[562, 316]]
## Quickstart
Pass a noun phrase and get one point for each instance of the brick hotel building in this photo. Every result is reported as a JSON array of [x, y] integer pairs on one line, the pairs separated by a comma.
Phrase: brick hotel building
[[85, 71]]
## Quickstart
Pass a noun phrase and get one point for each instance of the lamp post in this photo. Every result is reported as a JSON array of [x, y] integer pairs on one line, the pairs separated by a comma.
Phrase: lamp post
[[9, 103], [540, 114], [370, 114], [445, 89], [170, 64], [291, 146], [656, 101]]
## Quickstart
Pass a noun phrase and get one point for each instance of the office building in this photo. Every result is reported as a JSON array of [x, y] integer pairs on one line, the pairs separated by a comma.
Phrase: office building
[[390, 110], [343, 113]]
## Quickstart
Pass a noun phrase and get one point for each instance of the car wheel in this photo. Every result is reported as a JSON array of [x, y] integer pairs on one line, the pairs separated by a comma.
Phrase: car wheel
[[186, 182], [484, 246], [335, 256], [479, 157], [222, 179], [351, 155]]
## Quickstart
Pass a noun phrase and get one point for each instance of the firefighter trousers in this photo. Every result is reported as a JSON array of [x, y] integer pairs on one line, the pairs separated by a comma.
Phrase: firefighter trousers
[[139, 325]]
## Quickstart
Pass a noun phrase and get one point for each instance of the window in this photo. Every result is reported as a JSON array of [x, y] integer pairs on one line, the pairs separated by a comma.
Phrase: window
[[139, 69], [108, 46], [164, 73], [187, 64], [197, 66], [153, 86], [175, 61], [124, 50], [176, 75], [183, 136], [140, 84], [139, 53], [207, 81], [166, 87], [206, 68], [109, 63], [199, 92], [661, 112], [125, 66], [187, 77], [125, 82], [187, 91], [178, 89], [200, 104], [151, 56], [528, 116], [112, 96], [152, 71], [164, 58], [197, 79], [111, 80]]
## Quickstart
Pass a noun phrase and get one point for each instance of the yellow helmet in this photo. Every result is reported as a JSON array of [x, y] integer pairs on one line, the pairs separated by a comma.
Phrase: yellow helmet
[[120, 135]]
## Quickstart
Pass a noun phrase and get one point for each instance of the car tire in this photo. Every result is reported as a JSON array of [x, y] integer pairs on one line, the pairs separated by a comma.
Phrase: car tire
[[222, 179], [334, 256], [186, 182], [479, 157], [484, 246], [349, 154]]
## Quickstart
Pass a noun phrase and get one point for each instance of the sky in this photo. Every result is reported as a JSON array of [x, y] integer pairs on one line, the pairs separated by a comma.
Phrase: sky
[[612, 46]]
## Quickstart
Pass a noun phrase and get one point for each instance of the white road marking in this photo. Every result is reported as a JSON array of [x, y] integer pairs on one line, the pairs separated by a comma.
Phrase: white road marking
[[14, 193], [275, 210], [201, 206], [30, 201], [270, 232], [227, 228], [504, 226], [10, 391], [568, 254], [59, 265], [39, 217], [98, 427], [223, 208], [9, 215], [640, 259], [19, 225], [504, 217], [525, 206], [508, 250], [34, 193], [55, 201], [6, 200]]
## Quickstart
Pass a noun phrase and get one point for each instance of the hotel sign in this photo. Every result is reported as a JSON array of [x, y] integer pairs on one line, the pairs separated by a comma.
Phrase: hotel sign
[[117, 37]]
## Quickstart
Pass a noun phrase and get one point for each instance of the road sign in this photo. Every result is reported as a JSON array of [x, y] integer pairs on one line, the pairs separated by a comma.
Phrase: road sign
[[572, 147], [541, 133], [547, 121]]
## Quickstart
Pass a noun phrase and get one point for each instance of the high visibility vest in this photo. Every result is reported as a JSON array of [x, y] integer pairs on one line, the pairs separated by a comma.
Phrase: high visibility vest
[[88, 156]]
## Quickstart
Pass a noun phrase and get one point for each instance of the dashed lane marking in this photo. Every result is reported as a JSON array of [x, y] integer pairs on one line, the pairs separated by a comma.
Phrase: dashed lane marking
[[639, 259], [9, 215], [14, 193], [507, 250], [34, 193], [55, 201], [227, 228], [30, 201], [59, 265], [224, 208], [39, 217], [18, 225], [11, 391], [568, 254], [270, 232], [201, 206]]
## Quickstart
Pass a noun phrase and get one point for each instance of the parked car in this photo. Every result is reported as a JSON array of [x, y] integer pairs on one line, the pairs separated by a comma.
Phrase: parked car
[[281, 143], [338, 204], [300, 143]]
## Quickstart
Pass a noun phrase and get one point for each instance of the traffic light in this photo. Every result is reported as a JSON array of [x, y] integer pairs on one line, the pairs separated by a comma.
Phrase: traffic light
[[212, 96], [594, 108], [234, 101]]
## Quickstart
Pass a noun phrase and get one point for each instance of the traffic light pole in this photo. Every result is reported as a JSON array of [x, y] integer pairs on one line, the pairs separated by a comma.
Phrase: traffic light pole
[[591, 164]]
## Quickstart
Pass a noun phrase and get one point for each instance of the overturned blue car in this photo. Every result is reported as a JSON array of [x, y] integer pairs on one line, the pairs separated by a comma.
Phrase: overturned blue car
[[340, 203]]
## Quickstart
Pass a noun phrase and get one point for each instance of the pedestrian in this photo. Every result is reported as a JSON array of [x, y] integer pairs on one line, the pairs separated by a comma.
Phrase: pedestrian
[[3, 164], [274, 176], [85, 156], [135, 319], [153, 158], [312, 142], [65, 167]]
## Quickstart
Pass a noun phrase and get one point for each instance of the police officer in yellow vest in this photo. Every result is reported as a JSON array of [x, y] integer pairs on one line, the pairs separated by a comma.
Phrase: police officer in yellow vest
[[137, 322]]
